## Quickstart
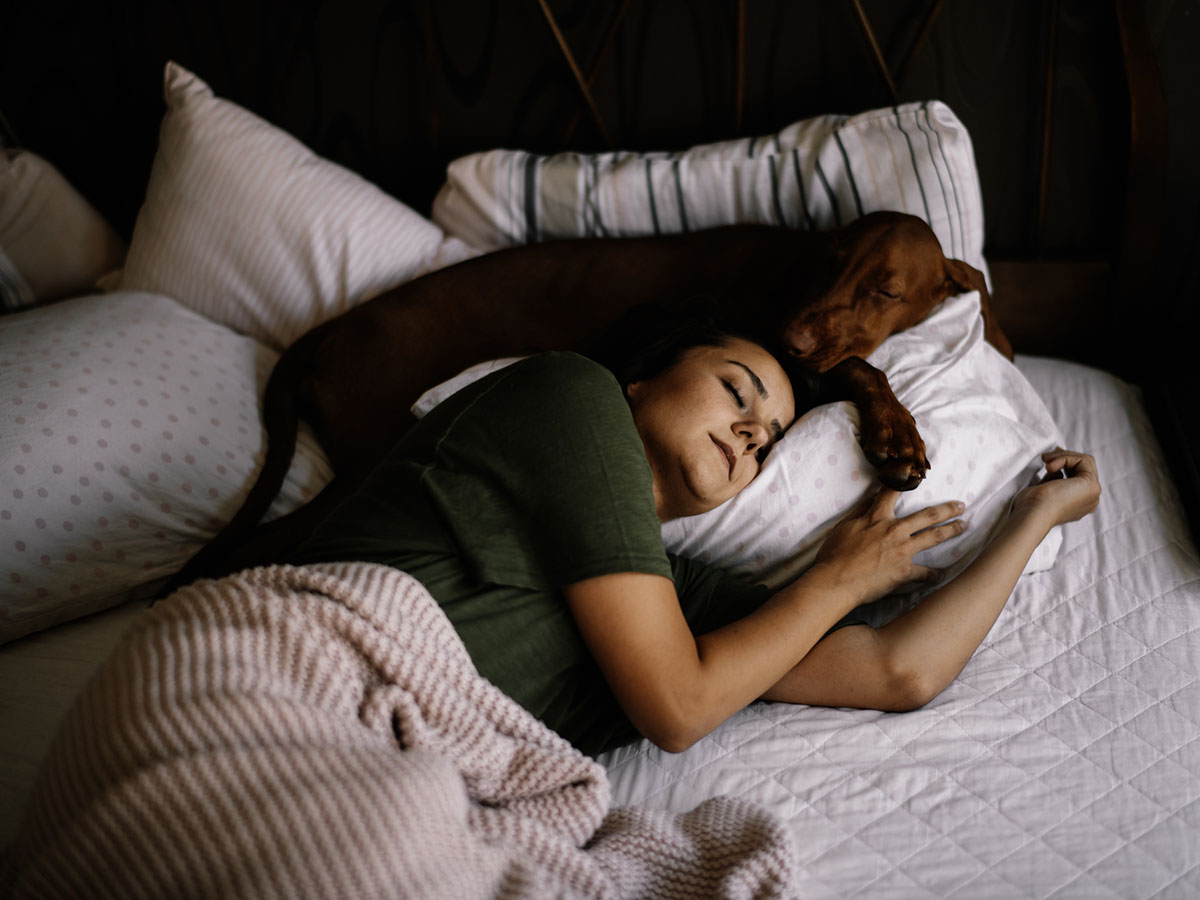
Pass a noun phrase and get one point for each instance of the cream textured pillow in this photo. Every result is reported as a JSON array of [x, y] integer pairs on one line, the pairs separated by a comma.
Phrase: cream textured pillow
[[817, 173], [53, 243], [129, 434], [246, 225]]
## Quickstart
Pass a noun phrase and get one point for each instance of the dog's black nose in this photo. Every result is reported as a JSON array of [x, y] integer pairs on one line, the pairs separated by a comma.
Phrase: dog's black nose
[[801, 341]]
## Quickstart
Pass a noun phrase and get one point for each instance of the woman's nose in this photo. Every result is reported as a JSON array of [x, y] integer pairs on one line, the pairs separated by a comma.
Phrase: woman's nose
[[755, 434]]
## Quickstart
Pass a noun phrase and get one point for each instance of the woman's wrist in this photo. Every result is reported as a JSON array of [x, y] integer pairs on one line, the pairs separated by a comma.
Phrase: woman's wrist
[[832, 580], [1029, 525], [1036, 515]]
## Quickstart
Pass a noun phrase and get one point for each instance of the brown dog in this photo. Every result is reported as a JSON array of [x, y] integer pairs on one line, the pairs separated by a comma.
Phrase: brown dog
[[828, 299]]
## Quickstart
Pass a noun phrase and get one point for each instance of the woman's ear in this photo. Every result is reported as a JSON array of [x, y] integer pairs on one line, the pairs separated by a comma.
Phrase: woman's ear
[[633, 389]]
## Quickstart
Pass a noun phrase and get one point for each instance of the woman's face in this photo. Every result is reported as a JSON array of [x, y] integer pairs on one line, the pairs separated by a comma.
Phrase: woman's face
[[707, 423]]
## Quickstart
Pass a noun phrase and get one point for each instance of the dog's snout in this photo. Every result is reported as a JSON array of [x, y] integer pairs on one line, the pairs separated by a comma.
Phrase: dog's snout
[[801, 341]]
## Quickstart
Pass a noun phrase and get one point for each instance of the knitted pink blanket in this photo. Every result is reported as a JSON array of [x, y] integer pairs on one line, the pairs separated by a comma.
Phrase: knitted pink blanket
[[321, 732]]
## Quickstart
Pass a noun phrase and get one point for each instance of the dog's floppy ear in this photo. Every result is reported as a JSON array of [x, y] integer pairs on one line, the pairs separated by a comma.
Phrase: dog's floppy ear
[[968, 278], [965, 277]]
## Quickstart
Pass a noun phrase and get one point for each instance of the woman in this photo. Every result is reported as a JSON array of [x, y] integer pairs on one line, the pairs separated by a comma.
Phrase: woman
[[530, 505]]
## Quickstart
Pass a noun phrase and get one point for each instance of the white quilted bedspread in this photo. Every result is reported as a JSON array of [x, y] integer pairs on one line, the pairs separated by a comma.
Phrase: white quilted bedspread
[[1065, 760]]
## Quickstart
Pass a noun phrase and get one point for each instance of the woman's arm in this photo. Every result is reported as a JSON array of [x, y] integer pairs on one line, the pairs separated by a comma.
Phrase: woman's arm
[[909, 661], [676, 687]]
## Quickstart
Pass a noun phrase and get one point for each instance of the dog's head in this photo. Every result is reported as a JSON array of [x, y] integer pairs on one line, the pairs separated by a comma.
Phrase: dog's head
[[878, 275]]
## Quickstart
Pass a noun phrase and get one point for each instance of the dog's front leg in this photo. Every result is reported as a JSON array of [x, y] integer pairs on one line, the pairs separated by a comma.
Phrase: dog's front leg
[[888, 432]]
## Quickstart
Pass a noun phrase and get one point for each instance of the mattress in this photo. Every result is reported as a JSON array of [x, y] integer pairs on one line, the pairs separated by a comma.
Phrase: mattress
[[1063, 762]]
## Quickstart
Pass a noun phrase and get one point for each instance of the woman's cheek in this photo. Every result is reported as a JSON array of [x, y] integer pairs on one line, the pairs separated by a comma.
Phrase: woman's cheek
[[744, 482]]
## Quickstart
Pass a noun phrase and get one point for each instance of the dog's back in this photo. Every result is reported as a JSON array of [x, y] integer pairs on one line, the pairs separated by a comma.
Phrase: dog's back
[[355, 378]]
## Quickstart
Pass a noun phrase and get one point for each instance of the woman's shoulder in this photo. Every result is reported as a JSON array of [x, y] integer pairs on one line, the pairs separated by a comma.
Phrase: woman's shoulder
[[567, 363], [564, 375], [552, 390], [555, 393]]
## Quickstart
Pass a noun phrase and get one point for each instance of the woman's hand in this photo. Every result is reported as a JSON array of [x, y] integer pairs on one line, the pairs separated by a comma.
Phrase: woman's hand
[[871, 550], [1070, 490]]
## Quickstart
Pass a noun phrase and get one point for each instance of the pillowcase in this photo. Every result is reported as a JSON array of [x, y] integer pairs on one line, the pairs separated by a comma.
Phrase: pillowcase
[[815, 174], [129, 434], [244, 224], [53, 243], [984, 429]]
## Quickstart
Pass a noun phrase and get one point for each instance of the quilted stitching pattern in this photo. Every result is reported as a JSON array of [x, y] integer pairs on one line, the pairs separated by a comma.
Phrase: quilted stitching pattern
[[1065, 760]]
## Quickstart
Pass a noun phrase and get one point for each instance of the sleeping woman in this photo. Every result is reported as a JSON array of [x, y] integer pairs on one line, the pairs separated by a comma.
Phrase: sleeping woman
[[530, 504]]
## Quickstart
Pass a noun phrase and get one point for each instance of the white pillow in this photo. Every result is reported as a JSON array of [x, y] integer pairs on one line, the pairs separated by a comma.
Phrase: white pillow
[[984, 429], [818, 173], [53, 243], [244, 224], [129, 434]]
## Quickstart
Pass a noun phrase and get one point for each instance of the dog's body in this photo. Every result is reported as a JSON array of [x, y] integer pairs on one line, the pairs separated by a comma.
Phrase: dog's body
[[828, 298]]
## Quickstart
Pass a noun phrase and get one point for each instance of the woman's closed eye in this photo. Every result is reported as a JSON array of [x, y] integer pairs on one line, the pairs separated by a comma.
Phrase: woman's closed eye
[[734, 392], [739, 398]]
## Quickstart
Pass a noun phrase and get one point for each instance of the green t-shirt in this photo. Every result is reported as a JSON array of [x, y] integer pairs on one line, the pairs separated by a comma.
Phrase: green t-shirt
[[524, 482]]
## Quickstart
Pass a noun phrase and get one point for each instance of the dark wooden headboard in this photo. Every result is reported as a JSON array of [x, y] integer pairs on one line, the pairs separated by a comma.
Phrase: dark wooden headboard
[[1063, 99], [1051, 92]]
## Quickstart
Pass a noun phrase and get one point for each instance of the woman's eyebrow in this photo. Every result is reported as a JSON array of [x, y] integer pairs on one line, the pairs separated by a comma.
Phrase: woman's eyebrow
[[761, 389], [754, 379]]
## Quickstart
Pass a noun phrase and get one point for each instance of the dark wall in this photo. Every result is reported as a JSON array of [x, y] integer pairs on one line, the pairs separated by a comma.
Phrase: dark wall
[[1171, 379], [395, 88], [1175, 27]]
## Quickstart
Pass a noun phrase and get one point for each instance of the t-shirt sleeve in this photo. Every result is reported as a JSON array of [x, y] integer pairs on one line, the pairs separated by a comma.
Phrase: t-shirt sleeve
[[541, 478], [712, 598]]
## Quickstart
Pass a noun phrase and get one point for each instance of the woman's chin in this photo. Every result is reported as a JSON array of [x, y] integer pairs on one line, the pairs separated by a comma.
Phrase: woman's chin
[[702, 495]]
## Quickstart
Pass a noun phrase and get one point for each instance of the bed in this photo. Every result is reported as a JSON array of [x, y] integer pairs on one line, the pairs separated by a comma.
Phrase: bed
[[1064, 761]]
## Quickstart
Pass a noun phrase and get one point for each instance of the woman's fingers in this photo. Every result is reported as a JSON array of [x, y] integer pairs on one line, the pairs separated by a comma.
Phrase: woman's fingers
[[1077, 492], [1070, 490], [1076, 463], [873, 549], [931, 537], [864, 505], [931, 515], [882, 505], [877, 506], [926, 575], [884, 502]]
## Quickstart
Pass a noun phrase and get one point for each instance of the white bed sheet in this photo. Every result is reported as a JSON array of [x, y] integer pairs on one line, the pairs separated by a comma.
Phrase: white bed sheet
[[1065, 761], [40, 675]]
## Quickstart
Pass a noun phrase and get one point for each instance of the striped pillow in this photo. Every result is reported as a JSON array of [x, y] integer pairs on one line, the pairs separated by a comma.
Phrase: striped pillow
[[815, 174], [246, 225]]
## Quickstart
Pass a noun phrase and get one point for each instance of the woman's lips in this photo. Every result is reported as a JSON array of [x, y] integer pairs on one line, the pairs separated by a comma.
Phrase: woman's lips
[[730, 459]]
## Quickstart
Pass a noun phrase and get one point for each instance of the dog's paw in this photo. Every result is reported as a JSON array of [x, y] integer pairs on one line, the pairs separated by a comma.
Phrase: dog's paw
[[893, 445], [900, 477]]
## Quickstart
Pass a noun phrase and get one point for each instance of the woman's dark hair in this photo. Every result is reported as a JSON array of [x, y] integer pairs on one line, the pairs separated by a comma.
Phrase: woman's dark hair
[[649, 339]]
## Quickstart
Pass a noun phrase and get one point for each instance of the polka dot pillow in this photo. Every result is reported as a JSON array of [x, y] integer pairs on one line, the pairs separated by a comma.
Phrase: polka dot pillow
[[984, 429], [129, 433]]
